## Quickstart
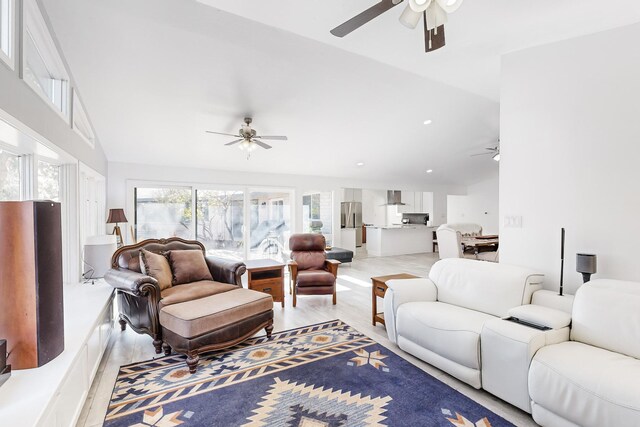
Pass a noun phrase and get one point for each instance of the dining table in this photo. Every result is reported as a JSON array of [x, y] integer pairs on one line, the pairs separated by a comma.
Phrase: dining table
[[484, 243]]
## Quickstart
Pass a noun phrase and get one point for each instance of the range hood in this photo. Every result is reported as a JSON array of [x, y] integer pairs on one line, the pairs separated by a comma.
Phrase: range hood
[[394, 198]]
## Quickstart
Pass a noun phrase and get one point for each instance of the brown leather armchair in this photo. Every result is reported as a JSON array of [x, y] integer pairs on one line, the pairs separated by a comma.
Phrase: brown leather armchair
[[139, 295], [310, 270]]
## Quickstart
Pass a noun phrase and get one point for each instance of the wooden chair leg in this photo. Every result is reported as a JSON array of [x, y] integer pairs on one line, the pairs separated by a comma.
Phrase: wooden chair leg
[[192, 361], [334, 296], [295, 299]]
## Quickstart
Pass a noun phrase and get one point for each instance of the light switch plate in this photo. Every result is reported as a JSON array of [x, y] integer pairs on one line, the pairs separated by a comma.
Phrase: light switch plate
[[513, 221]]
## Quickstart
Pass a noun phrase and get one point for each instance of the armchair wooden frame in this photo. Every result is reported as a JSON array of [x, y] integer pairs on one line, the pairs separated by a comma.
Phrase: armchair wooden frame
[[331, 265]]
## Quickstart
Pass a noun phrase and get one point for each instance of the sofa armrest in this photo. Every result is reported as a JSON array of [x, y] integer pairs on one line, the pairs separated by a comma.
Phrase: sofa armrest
[[332, 266], [403, 291], [541, 316], [132, 282], [226, 270]]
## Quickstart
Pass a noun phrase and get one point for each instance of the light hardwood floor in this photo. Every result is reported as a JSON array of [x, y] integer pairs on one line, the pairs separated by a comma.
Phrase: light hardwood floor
[[354, 308]]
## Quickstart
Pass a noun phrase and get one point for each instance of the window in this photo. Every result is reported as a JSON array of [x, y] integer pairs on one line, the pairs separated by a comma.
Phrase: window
[[6, 31], [48, 181], [220, 222], [81, 122], [317, 214], [43, 68], [9, 176], [163, 212]]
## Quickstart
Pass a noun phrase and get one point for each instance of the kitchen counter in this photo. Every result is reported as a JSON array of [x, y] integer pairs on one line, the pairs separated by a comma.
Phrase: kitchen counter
[[399, 239]]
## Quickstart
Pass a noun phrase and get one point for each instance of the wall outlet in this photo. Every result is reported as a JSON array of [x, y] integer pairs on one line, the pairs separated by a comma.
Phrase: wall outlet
[[513, 221]]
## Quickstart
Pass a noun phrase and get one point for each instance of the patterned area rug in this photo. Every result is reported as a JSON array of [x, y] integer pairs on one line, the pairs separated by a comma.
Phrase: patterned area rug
[[325, 375]]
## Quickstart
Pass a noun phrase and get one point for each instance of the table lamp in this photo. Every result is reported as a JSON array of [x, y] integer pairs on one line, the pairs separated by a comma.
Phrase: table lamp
[[97, 255], [116, 216], [587, 264]]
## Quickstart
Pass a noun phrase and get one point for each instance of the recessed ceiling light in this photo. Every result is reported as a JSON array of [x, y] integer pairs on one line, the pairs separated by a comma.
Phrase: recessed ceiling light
[[428, 122], [429, 170], [360, 164]]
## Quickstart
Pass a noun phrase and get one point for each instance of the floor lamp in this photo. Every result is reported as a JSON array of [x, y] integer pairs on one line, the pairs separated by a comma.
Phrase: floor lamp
[[117, 216]]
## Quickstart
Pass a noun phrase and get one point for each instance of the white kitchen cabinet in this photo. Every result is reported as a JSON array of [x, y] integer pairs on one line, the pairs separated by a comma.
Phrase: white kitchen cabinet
[[408, 200], [352, 195]]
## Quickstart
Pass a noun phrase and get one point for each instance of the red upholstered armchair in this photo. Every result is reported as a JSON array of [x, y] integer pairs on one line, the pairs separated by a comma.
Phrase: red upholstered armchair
[[311, 272]]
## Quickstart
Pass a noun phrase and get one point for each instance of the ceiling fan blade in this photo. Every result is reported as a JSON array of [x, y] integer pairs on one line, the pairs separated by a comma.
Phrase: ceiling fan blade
[[234, 142], [225, 134], [433, 39], [262, 144], [479, 154], [273, 138], [364, 17]]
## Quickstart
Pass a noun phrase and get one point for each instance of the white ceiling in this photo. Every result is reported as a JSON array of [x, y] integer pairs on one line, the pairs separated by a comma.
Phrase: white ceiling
[[477, 34], [155, 74]]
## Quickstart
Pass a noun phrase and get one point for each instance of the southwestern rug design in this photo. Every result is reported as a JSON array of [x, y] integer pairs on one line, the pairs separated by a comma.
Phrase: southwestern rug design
[[324, 375]]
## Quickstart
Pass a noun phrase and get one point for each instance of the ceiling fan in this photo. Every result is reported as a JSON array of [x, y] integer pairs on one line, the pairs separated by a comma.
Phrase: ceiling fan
[[435, 13], [249, 139], [495, 151]]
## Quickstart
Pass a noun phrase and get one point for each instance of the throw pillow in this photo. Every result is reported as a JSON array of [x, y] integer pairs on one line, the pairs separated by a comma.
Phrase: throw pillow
[[156, 266], [188, 266]]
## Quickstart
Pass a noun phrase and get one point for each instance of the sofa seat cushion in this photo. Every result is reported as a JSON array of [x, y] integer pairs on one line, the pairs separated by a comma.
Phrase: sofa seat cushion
[[587, 385], [191, 319], [194, 290], [450, 331], [315, 278]]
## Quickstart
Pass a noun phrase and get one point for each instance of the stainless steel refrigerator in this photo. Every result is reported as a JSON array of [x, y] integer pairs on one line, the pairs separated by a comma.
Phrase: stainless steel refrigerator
[[351, 217]]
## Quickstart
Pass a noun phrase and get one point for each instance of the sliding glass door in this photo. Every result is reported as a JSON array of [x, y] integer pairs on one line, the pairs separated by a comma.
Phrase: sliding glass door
[[163, 212], [232, 223], [220, 222], [270, 223]]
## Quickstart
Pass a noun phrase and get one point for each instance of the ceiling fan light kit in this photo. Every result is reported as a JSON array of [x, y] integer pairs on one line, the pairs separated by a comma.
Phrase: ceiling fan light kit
[[435, 13], [249, 139]]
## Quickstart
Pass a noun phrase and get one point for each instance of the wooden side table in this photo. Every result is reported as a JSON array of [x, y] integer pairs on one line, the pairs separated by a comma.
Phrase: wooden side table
[[267, 275], [378, 290]]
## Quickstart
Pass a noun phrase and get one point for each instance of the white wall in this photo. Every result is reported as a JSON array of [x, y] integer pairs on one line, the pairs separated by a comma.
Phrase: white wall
[[570, 152], [479, 206], [122, 177]]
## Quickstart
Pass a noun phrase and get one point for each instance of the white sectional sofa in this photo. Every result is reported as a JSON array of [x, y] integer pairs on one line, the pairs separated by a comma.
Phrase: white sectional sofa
[[593, 379], [439, 319]]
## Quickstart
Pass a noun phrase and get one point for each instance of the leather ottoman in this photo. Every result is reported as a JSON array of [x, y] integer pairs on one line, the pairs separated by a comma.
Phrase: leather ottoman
[[339, 254], [214, 322]]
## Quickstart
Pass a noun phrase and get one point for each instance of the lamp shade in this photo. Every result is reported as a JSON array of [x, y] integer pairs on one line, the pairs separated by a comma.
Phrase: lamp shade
[[116, 216], [97, 255], [586, 263]]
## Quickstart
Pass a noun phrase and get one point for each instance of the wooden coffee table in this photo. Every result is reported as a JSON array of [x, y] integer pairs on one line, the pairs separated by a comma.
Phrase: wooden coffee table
[[378, 290], [267, 275]]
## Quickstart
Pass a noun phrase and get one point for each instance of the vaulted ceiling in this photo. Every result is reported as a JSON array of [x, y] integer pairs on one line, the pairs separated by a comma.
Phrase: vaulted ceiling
[[154, 75]]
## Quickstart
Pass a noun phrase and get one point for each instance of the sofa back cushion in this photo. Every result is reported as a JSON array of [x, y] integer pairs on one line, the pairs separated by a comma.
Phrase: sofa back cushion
[[156, 266], [188, 266], [128, 257], [606, 314], [484, 286]]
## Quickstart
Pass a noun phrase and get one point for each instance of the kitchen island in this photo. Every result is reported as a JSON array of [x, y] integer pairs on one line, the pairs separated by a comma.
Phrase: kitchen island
[[399, 239]]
